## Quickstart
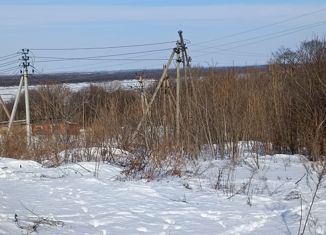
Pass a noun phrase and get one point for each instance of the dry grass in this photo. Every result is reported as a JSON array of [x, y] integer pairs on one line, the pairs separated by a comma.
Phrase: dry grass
[[282, 107]]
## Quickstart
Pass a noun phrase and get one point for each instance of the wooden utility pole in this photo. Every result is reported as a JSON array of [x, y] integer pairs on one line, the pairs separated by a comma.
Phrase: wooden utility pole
[[165, 87], [154, 95], [177, 108], [4, 107], [181, 57], [14, 109], [143, 97], [185, 58], [169, 104]]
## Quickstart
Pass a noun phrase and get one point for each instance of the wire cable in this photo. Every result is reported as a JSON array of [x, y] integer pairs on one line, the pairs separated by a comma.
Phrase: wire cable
[[9, 63], [100, 56], [9, 57], [104, 66], [105, 62], [101, 48], [12, 54], [285, 32], [265, 36], [15, 72], [9, 69], [117, 59], [260, 27]]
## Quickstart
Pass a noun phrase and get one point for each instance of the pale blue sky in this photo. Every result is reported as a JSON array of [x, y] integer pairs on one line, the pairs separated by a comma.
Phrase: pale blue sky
[[206, 24]]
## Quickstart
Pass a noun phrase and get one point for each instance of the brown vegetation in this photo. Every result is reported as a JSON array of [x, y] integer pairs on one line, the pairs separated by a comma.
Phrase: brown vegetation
[[282, 107]]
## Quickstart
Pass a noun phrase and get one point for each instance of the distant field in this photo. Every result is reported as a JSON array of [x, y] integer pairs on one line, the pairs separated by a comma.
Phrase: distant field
[[9, 92], [37, 79]]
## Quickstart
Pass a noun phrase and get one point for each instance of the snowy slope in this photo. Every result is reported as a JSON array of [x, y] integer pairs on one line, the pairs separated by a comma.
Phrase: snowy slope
[[211, 198]]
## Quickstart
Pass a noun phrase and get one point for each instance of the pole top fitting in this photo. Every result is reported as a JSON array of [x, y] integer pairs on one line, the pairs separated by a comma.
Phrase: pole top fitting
[[25, 50]]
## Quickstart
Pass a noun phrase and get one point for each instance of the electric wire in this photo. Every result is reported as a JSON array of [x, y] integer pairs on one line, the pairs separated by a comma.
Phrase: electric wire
[[8, 63], [105, 62], [260, 27], [15, 72], [276, 36], [92, 66], [104, 58], [100, 56], [264, 38], [287, 31], [12, 54], [102, 48], [9, 69], [9, 57], [117, 59]]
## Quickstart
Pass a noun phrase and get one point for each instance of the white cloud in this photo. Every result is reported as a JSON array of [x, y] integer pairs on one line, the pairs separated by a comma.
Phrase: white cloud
[[40, 14]]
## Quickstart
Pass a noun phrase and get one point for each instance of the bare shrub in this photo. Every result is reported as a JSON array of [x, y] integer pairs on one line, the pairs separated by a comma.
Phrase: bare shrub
[[280, 106]]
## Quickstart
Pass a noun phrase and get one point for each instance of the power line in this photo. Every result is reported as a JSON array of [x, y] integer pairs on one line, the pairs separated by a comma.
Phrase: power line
[[9, 69], [105, 62], [264, 37], [236, 53], [117, 59], [15, 72], [101, 48], [92, 66], [285, 32], [102, 61], [8, 63], [100, 56], [242, 54], [9, 57], [16, 53], [259, 28], [45, 59]]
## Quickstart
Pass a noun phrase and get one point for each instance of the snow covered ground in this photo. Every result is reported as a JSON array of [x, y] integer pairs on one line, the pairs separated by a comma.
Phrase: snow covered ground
[[212, 197], [10, 92]]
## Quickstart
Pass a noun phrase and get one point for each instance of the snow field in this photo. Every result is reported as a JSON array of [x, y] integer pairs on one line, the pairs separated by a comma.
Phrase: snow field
[[10, 92], [210, 198]]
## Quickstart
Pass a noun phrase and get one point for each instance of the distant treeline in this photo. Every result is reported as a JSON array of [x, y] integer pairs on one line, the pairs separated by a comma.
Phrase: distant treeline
[[41, 79]]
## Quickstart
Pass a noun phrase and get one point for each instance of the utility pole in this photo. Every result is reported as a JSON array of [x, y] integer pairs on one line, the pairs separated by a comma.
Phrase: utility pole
[[177, 112], [179, 53], [189, 83], [185, 58], [143, 97], [14, 109], [23, 81], [147, 110], [165, 89], [4, 107]]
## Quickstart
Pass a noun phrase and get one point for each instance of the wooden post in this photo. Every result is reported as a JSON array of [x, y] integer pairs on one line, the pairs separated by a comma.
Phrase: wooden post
[[154, 95], [4, 107], [177, 111], [165, 90], [14, 109], [143, 97]]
